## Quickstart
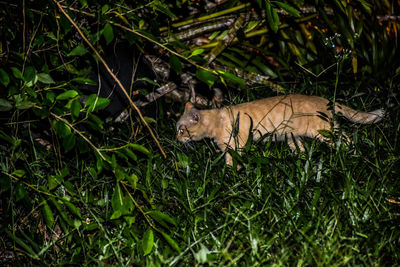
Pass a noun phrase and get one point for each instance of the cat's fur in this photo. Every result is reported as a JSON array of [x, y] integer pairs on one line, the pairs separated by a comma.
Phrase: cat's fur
[[284, 117]]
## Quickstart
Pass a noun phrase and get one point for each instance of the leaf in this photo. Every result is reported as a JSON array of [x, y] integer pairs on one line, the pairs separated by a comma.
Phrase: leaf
[[72, 208], [117, 200], [271, 16], [163, 8], [176, 64], [140, 148], [29, 74], [83, 80], [48, 214], [206, 77], [116, 214], [69, 142], [289, 9], [108, 33], [149, 119], [4, 78], [62, 129], [196, 52], [18, 173], [20, 191], [232, 78], [80, 50], [130, 154], [22, 102], [53, 181], [147, 241], [67, 95], [62, 212], [95, 102], [75, 108], [17, 73], [132, 179], [161, 218], [104, 9], [171, 242], [45, 78], [51, 96], [5, 105]]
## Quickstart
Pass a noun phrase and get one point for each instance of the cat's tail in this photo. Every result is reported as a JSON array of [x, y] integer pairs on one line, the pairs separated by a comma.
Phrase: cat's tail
[[360, 116]]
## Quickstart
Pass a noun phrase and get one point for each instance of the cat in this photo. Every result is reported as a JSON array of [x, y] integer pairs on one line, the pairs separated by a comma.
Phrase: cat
[[283, 117]]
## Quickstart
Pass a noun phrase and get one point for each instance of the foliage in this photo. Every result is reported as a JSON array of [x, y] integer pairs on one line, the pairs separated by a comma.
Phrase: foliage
[[77, 188]]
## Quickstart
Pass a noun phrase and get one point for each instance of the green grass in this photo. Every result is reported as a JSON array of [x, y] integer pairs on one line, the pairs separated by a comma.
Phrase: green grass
[[332, 205]]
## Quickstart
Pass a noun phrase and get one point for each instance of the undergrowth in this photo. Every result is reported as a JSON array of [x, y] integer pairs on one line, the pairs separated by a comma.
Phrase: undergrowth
[[77, 188]]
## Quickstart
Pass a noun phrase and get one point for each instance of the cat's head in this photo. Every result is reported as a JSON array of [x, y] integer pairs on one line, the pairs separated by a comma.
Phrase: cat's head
[[188, 126]]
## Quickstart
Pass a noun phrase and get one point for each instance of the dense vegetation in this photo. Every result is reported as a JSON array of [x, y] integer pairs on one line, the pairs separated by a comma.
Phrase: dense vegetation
[[77, 187]]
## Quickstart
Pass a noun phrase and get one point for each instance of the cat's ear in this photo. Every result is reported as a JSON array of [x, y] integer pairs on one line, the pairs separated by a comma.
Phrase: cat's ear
[[196, 115], [188, 106]]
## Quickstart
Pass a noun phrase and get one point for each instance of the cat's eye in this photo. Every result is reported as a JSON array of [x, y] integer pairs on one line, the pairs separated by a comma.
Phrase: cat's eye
[[180, 131]]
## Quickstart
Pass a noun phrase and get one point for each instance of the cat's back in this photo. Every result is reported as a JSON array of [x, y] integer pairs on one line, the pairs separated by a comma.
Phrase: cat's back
[[295, 102]]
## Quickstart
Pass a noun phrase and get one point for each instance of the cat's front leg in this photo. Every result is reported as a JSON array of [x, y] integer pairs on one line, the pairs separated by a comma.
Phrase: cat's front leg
[[228, 159]]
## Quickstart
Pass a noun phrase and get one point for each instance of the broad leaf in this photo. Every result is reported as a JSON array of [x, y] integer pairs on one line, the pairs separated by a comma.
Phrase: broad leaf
[[147, 241]]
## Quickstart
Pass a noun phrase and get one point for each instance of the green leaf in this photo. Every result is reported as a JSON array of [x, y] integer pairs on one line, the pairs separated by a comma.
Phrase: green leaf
[[158, 5], [61, 211], [17, 73], [161, 218], [132, 179], [140, 148], [108, 33], [5, 105], [196, 52], [67, 95], [29, 74], [22, 102], [4, 78], [95, 102], [171, 242], [53, 181], [62, 129], [117, 200], [75, 108], [80, 50], [289, 9], [130, 220], [149, 119], [45, 78], [83, 80], [48, 214], [130, 154], [51, 96], [206, 77], [18, 173], [232, 78], [104, 9], [116, 214], [69, 142], [176, 64], [271, 17], [20, 191], [72, 208], [147, 241]]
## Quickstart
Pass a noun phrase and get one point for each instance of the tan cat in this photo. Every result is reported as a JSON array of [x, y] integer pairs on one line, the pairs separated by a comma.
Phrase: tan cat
[[281, 116]]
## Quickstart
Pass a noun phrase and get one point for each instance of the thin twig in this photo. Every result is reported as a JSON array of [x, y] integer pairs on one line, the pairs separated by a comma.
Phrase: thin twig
[[112, 75]]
